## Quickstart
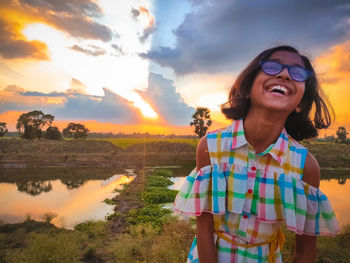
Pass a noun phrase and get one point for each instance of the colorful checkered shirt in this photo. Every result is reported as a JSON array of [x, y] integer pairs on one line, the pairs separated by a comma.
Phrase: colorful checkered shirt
[[250, 195]]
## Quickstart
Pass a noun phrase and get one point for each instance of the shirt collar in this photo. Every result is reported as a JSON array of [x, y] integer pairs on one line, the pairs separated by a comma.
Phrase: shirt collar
[[277, 150], [238, 138]]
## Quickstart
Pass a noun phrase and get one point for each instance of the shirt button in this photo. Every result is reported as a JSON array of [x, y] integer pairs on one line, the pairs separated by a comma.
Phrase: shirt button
[[245, 216], [250, 191], [253, 168]]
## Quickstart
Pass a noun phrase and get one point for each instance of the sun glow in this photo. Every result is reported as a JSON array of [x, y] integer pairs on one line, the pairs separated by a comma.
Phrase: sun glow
[[120, 74]]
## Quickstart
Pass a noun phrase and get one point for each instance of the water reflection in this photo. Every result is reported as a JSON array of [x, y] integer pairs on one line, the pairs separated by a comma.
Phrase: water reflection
[[337, 191], [73, 184], [34, 187], [341, 180], [72, 201]]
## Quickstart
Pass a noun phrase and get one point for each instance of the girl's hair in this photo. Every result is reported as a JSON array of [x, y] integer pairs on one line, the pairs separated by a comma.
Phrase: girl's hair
[[298, 125]]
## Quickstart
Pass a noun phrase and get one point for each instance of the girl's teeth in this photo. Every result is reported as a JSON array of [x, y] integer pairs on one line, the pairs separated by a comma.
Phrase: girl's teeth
[[281, 88]]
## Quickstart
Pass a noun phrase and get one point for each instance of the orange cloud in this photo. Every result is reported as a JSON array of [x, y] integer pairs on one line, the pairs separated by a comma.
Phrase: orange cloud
[[13, 44], [76, 18], [144, 10], [334, 72]]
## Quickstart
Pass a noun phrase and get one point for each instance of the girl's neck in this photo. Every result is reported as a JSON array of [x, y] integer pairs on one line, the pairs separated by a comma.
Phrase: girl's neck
[[262, 128]]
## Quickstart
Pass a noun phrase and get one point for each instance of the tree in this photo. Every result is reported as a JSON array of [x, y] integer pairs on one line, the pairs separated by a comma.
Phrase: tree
[[52, 133], [76, 130], [201, 121], [3, 129], [341, 133], [31, 125]]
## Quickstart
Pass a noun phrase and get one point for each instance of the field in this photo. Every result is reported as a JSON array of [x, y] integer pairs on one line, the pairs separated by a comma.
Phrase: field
[[125, 142]]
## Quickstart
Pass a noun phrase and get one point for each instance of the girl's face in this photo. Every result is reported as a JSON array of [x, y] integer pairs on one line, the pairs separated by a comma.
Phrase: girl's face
[[280, 92]]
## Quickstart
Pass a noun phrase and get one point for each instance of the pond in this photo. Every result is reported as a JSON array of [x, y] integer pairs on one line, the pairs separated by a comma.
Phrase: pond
[[335, 184], [74, 195], [70, 196]]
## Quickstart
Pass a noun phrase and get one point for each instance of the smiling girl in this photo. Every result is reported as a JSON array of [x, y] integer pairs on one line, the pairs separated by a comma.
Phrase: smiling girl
[[253, 176]]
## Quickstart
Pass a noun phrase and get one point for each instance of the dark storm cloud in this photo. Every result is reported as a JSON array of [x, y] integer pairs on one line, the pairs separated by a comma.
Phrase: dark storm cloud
[[218, 35], [93, 51], [72, 105], [166, 101]]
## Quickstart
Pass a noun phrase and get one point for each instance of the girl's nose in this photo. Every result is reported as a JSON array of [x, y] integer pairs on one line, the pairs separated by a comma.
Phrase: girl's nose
[[284, 74]]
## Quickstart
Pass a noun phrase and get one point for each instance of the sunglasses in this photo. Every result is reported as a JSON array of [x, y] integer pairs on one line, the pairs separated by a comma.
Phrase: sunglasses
[[297, 73]]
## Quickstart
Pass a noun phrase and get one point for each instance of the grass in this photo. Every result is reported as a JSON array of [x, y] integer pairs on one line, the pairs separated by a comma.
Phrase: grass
[[125, 142]]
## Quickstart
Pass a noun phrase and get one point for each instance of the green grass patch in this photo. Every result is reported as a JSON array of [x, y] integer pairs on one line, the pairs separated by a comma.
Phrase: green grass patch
[[153, 215], [156, 191], [109, 201], [158, 195], [159, 181], [163, 172]]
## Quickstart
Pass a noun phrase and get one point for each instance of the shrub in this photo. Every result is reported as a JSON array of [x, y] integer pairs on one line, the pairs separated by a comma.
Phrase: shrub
[[46, 248], [158, 195], [153, 215], [156, 180], [52, 133]]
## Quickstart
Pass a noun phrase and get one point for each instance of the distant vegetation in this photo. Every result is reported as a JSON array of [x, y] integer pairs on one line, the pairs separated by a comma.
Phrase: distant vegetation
[[3, 129], [76, 131], [201, 121]]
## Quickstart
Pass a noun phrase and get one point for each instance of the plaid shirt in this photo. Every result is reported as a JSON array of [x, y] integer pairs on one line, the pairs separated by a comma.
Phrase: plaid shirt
[[250, 195]]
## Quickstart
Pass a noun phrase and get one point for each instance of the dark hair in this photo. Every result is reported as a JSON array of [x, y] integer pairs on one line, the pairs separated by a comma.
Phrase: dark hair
[[298, 125]]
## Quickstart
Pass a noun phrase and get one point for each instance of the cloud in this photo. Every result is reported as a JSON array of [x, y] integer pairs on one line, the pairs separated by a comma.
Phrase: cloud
[[334, 64], [135, 13], [74, 17], [219, 35], [71, 105], [11, 47], [150, 28], [77, 18], [93, 51], [118, 49], [166, 101]]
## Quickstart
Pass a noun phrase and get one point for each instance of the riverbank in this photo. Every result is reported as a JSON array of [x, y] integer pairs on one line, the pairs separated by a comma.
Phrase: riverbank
[[140, 230], [15, 153]]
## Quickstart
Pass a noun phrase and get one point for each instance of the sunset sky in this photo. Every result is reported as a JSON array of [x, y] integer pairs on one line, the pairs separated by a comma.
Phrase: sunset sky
[[143, 66]]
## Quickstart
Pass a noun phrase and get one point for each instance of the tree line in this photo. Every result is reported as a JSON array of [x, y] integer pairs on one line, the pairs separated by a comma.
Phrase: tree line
[[36, 125]]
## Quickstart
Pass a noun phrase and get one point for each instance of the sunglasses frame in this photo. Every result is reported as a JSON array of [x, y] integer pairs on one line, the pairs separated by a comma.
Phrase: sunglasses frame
[[283, 66]]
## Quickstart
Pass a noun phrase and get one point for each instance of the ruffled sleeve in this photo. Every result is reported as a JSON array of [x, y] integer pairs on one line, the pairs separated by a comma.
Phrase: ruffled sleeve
[[218, 188], [203, 191], [320, 218], [303, 208]]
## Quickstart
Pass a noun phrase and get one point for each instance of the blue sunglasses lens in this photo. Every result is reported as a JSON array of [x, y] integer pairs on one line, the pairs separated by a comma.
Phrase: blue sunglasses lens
[[273, 68]]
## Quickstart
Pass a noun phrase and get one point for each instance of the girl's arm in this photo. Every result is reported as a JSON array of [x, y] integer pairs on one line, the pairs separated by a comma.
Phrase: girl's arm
[[205, 223], [305, 246]]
